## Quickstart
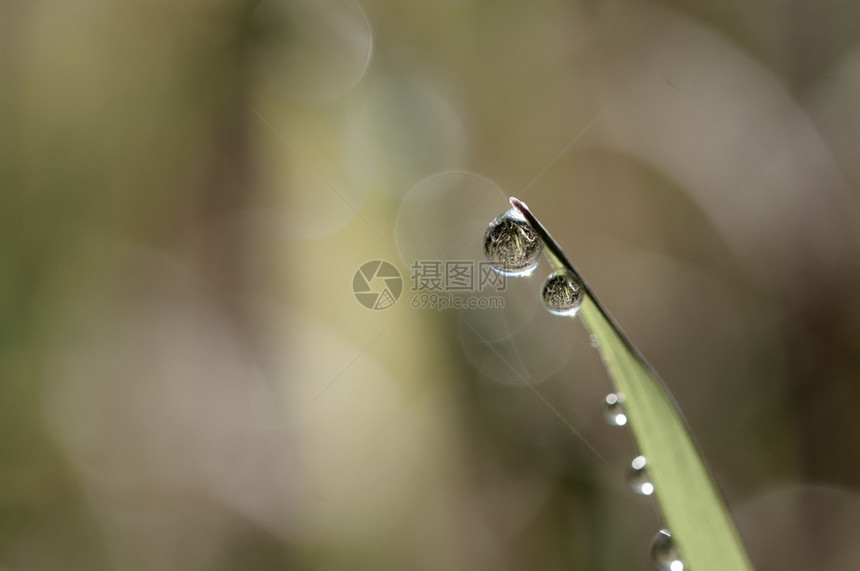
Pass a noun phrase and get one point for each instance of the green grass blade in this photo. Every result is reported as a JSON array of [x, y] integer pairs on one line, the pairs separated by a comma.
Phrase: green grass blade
[[692, 506]]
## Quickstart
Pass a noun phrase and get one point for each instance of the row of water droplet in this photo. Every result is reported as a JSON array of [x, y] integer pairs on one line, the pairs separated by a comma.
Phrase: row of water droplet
[[514, 249], [664, 552]]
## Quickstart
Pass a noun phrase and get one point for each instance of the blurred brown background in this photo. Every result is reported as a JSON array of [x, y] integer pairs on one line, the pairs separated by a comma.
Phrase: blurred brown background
[[187, 188]]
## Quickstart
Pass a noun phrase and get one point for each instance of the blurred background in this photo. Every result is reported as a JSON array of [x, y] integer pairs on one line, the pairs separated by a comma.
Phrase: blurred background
[[187, 189]]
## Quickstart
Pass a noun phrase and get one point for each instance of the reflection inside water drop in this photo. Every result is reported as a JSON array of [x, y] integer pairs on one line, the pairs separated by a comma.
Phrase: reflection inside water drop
[[613, 410], [638, 477], [562, 294], [665, 553], [511, 245]]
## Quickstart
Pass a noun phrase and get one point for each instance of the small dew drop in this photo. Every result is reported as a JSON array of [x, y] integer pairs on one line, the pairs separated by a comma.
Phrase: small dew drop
[[664, 552], [562, 294], [594, 341], [511, 245], [638, 477], [613, 410]]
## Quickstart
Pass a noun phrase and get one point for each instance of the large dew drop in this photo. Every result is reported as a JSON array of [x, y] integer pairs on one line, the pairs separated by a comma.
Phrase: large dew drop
[[613, 410], [511, 245], [638, 477], [665, 553], [562, 294]]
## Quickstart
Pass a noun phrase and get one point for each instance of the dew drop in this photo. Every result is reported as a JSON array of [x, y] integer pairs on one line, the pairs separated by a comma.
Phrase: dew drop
[[562, 294], [511, 245], [638, 477], [613, 410], [665, 553]]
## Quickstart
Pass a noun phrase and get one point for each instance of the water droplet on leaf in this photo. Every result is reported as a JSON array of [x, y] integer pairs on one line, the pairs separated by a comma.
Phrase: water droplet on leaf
[[638, 477], [665, 553], [613, 410], [511, 245], [562, 294]]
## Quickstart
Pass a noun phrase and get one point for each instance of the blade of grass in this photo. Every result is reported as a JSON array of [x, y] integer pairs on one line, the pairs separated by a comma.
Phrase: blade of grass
[[691, 504]]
